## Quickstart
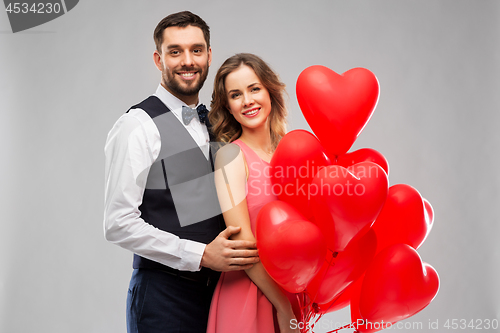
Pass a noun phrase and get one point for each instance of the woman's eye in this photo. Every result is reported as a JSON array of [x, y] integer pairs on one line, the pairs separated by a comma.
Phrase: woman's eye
[[235, 95], [255, 89]]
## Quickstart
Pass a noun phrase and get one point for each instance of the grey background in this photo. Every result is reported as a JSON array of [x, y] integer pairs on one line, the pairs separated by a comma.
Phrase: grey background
[[64, 84]]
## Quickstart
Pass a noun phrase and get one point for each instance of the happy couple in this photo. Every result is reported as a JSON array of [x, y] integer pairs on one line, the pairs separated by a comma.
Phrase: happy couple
[[163, 201]]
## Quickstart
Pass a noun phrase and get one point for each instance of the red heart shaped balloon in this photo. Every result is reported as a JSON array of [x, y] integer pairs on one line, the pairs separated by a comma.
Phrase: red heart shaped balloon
[[340, 302], [363, 155], [339, 272], [337, 107], [345, 201], [291, 248], [350, 296], [397, 285], [357, 322], [430, 214], [295, 162], [403, 219]]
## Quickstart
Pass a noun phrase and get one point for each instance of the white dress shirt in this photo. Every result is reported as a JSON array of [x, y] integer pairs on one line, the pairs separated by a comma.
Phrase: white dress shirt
[[132, 146]]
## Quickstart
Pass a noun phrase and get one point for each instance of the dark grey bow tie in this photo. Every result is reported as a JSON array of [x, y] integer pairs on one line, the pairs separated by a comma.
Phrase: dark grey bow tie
[[188, 114]]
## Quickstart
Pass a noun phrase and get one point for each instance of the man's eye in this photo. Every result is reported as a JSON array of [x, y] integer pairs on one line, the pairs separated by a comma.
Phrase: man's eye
[[197, 51], [174, 52]]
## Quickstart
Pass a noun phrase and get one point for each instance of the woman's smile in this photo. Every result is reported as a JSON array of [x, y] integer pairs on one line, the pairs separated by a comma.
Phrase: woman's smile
[[252, 112]]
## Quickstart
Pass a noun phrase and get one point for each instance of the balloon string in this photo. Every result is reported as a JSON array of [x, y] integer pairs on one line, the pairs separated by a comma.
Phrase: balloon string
[[301, 319], [309, 315], [304, 306], [308, 312], [315, 320], [342, 328]]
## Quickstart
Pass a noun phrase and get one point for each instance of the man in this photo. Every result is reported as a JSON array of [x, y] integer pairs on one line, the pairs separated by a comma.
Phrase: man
[[160, 200]]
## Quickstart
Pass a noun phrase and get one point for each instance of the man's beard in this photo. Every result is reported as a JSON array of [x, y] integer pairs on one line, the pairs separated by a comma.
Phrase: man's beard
[[174, 86]]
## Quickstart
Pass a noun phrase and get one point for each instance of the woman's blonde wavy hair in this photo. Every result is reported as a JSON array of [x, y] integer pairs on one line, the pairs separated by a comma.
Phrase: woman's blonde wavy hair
[[224, 127]]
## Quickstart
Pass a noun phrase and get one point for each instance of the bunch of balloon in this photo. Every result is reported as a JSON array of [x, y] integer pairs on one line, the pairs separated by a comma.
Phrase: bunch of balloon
[[339, 235]]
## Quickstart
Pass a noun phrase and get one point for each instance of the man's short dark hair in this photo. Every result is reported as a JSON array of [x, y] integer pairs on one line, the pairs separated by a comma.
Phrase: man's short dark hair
[[182, 20]]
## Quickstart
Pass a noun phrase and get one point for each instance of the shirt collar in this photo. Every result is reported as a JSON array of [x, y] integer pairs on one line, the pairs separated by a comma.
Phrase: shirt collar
[[172, 102]]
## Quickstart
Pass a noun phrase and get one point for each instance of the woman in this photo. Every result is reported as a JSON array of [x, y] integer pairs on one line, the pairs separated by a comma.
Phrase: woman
[[248, 111]]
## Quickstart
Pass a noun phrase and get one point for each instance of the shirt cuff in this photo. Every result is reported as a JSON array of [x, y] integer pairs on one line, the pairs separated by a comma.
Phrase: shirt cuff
[[193, 252]]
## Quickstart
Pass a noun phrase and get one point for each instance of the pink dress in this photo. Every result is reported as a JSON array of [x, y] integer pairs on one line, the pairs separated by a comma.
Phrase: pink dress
[[238, 305]]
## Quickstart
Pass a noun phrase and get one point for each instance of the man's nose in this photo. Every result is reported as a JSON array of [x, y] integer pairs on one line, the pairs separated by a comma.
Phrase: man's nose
[[187, 59]]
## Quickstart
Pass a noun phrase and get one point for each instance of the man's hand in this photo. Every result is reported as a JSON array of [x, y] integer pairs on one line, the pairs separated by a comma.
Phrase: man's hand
[[223, 254]]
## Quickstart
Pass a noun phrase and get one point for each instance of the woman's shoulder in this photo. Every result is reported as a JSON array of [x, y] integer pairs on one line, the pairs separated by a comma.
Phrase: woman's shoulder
[[227, 154]]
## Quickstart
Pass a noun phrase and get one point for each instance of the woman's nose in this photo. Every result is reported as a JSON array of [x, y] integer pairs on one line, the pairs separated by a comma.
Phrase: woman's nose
[[247, 99]]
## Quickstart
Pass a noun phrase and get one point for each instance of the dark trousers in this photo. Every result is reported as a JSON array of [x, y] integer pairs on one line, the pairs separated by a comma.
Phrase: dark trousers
[[159, 302]]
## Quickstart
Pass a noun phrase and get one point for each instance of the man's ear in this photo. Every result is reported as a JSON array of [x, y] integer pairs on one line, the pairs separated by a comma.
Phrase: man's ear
[[209, 56], [157, 60]]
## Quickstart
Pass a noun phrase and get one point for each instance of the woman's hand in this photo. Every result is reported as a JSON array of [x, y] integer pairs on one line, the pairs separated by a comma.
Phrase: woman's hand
[[285, 321]]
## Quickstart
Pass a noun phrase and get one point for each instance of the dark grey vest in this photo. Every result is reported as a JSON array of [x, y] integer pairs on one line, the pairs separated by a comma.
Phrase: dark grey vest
[[180, 195]]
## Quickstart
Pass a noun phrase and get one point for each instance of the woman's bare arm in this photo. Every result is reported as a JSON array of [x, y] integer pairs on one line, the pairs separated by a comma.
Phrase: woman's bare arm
[[230, 180]]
